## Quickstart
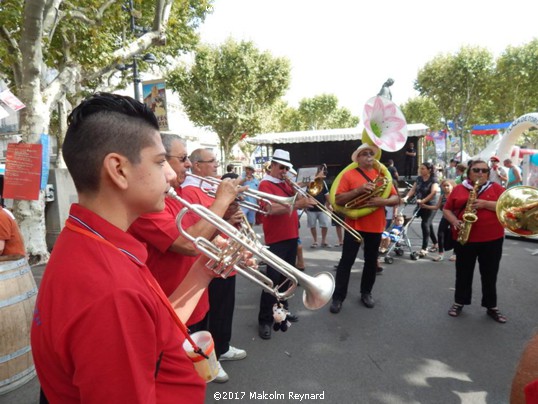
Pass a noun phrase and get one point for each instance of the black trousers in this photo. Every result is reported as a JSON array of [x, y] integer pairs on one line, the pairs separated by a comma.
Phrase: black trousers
[[221, 312], [427, 226], [287, 250], [488, 255], [350, 249], [444, 236], [410, 168]]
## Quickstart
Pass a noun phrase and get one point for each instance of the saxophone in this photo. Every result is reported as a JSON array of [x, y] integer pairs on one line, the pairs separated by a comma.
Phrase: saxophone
[[469, 215]]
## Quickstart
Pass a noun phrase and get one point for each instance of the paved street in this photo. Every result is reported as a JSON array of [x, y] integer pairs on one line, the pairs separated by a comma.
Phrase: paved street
[[405, 350]]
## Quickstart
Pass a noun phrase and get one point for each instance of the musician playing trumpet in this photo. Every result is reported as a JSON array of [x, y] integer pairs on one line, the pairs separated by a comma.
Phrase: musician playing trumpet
[[353, 184], [484, 241], [281, 231]]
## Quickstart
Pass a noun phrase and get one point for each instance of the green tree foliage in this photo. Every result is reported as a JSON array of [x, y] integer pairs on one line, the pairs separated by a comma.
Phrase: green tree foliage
[[319, 112], [229, 88], [422, 110], [458, 84], [516, 82]]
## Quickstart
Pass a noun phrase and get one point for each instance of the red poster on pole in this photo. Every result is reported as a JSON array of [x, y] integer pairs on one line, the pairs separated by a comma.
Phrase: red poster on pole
[[23, 171]]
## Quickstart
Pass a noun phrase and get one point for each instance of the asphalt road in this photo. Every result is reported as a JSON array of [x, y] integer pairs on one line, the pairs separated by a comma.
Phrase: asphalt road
[[405, 350]]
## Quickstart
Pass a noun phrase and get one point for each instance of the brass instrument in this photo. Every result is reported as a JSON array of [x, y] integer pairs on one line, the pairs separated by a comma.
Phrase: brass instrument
[[268, 199], [315, 187], [469, 215], [381, 182], [338, 220], [318, 289], [517, 210]]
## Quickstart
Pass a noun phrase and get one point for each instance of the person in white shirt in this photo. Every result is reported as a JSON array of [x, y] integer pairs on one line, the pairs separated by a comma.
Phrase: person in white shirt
[[497, 173]]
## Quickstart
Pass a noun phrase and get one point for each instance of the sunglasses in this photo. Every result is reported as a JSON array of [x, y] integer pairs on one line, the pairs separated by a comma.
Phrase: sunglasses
[[181, 159], [367, 154], [480, 170], [284, 168]]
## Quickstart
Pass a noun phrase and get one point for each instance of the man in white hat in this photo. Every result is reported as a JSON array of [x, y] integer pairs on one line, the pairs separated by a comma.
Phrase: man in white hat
[[281, 231], [355, 183]]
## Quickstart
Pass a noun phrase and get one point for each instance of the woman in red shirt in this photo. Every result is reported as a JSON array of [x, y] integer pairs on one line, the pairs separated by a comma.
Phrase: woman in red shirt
[[485, 239]]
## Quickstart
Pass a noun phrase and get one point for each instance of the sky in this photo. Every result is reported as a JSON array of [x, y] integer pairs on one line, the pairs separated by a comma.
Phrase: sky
[[349, 48]]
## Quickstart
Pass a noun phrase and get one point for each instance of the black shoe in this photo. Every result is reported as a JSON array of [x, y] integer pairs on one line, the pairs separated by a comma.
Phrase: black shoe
[[367, 300], [336, 306], [264, 331], [379, 270], [292, 318]]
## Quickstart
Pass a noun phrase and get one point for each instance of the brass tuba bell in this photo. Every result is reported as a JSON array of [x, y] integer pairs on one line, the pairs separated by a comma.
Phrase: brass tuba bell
[[517, 210]]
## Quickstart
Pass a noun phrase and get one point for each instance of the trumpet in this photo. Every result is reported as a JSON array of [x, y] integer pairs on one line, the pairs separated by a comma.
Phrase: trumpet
[[264, 197], [356, 235], [318, 289]]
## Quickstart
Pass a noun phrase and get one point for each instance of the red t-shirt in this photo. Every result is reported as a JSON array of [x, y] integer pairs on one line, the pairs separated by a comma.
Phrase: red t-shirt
[[279, 227], [159, 231], [487, 227], [374, 222], [10, 233], [99, 332]]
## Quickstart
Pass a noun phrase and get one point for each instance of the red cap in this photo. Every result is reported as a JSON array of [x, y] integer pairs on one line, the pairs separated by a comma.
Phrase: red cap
[[495, 158]]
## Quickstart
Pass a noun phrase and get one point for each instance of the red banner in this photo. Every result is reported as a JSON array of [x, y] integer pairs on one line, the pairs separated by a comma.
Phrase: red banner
[[23, 171]]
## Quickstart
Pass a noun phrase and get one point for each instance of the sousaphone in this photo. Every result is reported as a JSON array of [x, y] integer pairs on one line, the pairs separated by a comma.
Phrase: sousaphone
[[385, 127]]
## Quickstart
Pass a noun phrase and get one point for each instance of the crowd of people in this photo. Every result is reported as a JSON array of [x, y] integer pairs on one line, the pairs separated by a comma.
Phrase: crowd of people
[[126, 285]]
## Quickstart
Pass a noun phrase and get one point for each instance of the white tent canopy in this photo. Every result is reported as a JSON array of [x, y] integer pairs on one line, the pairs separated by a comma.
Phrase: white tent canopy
[[325, 135]]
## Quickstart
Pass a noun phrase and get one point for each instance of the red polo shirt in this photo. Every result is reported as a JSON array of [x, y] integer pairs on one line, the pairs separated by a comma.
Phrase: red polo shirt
[[487, 227], [279, 227], [100, 334], [374, 222], [159, 231]]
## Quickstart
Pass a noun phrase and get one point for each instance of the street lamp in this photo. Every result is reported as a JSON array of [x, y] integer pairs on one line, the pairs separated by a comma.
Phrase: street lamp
[[148, 58]]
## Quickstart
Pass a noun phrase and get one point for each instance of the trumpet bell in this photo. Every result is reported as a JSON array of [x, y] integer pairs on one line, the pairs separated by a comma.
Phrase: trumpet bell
[[517, 210], [319, 292]]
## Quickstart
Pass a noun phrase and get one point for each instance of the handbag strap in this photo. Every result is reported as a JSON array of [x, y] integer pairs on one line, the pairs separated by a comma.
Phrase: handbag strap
[[152, 283]]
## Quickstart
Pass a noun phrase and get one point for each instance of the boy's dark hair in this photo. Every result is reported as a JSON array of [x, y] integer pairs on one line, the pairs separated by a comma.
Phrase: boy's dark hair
[[229, 168], [105, 123]]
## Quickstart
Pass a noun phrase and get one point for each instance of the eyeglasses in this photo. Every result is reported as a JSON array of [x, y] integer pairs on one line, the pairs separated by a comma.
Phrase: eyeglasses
[[208, 161], [480, 170], [284, 168], [182, 159], [367, 154]]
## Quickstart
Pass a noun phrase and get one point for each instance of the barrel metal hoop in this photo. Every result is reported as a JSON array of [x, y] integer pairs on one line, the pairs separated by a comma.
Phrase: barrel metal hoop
[[15, 354], [14, 274], [19, 298], [27, 373]]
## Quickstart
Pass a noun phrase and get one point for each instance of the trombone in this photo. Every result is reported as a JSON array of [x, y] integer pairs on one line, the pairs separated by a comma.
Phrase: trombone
[[264, 197], [314, 185], [318, 289]]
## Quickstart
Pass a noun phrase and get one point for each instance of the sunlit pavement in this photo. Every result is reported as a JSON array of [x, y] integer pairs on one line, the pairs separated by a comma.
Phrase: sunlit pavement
[[405, 350]]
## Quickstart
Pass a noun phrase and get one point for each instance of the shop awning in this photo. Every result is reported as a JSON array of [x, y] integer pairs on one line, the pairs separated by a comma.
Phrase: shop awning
[[325, 135]]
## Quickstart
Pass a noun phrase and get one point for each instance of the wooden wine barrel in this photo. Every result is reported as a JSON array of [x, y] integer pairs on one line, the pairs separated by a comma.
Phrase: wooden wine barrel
[[18, 293]]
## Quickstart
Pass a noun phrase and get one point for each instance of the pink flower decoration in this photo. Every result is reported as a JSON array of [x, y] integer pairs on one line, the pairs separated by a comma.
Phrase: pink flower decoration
[[381, 115]]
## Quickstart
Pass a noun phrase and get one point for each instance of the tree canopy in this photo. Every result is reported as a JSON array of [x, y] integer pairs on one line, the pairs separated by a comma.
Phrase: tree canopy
[[230, 88]]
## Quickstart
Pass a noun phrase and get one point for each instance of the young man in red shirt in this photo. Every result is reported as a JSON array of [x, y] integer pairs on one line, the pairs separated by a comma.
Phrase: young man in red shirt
[[103, 330]]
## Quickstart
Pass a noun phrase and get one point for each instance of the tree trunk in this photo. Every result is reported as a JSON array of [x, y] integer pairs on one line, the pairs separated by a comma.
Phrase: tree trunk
[[34, 121]]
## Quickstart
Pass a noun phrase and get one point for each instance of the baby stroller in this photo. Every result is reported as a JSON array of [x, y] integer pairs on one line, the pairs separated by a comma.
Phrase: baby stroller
[[402, 240]]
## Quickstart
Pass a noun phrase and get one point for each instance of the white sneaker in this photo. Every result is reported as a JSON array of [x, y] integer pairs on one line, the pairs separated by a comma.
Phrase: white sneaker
[[222, 376], [233, 354]]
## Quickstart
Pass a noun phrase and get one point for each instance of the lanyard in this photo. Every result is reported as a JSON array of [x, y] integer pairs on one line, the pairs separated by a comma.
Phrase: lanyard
[[150, 280]]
